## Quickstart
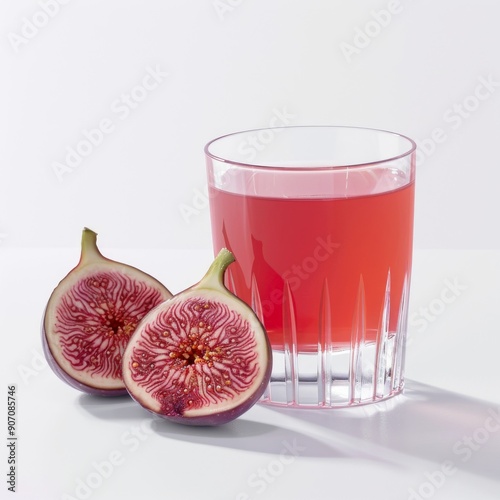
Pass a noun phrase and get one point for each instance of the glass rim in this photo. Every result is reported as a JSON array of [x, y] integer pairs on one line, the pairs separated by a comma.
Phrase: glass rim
[[412, 148]]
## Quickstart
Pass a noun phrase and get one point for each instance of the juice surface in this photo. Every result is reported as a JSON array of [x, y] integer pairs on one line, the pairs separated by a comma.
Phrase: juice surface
[[309, 244]]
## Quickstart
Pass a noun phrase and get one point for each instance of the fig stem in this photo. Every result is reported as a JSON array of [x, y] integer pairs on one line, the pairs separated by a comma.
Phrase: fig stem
[[214, 277], [90, 252]]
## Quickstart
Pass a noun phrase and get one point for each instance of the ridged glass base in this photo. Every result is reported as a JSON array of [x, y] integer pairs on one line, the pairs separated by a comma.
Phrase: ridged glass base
[[337, 375], [336, 379]]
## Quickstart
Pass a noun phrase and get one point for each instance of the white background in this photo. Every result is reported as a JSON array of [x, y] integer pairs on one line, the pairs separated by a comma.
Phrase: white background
[[232, 65], [231, 68]]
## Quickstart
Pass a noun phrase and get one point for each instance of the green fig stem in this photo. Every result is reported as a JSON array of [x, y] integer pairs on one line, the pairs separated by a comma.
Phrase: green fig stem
[[90, 252], [214, 277]]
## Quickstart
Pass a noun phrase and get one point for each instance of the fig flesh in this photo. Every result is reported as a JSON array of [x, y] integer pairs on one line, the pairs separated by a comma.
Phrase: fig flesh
[[90, 317], [201, 357]]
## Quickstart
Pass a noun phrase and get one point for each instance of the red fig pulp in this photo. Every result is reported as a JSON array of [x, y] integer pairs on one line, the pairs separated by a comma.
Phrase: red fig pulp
[[200, 358], [91, 316]]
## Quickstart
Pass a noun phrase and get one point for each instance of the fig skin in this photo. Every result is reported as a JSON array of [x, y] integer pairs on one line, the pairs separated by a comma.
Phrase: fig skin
[[210, 290], [68, 379], [91, 262], [56, 368]]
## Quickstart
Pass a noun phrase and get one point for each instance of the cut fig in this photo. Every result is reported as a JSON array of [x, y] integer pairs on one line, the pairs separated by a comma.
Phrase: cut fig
[[200, 358], [91, 316]]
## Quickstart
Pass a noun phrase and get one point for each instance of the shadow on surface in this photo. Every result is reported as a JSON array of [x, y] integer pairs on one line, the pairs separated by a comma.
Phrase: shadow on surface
[[112, 408], [240, 434], [248, 435], [424, 422]]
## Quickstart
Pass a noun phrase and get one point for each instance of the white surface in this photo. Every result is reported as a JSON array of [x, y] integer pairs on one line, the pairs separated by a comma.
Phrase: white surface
[[437, 431]]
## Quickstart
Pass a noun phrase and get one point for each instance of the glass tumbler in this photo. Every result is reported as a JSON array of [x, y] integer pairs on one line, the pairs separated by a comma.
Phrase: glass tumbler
[[320, 221]]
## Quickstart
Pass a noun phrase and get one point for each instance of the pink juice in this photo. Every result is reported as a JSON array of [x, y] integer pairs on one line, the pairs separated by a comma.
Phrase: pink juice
[[347, 245]]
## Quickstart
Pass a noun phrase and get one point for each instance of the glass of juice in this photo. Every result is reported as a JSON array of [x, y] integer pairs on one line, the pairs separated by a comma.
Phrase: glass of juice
[[320, 221]]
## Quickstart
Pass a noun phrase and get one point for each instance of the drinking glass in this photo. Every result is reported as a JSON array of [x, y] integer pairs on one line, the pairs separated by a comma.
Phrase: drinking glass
[[320, 221]]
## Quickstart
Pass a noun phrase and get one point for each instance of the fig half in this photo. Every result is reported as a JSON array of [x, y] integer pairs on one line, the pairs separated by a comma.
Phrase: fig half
[[90, 317], [200, 358]]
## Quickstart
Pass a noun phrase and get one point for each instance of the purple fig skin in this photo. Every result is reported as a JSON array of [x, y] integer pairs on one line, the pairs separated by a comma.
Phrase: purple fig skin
[[216, 418], [92, 263], [219, 418], [210, 290], [56, 368]]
